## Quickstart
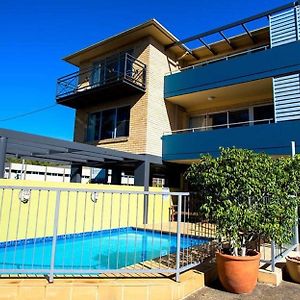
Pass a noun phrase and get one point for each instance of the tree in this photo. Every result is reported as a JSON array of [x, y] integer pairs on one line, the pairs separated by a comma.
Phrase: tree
[[247, 194]]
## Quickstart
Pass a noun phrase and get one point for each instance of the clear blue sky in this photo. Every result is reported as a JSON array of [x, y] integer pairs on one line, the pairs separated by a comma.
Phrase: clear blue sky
[[35, 35]]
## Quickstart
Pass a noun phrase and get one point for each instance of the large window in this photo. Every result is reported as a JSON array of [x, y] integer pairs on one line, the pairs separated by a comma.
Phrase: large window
[[109, 69], [263, 114], [108, 124]]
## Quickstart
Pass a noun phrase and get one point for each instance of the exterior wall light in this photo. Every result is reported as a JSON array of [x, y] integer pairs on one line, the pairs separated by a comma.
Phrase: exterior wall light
[[24, 195], [94, 196]]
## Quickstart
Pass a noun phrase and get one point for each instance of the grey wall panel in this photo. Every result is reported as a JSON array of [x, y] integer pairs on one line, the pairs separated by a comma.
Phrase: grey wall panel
[[284, 27], [287, 97]]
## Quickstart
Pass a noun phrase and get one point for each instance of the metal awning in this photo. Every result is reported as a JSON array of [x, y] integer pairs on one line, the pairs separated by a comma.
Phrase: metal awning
[[42, 148]]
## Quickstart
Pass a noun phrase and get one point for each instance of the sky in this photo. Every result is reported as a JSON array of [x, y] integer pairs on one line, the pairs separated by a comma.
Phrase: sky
[[37, 34]]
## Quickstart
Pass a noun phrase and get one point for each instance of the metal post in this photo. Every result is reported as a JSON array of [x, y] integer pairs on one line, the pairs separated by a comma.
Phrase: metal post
[[116, 176], [178, 238], [142, 178], [3, 147], [76, 173], [55, 227], [293, 148], [273, 256]]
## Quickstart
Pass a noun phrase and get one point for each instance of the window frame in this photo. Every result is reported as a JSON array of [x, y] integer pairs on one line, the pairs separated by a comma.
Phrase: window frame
[[252, 121], [90, 139]]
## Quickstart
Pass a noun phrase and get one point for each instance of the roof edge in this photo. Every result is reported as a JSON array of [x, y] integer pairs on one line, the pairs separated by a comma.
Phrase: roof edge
[[151, 22]]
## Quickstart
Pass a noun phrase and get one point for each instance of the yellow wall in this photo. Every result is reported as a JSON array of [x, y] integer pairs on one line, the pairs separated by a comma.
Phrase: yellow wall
[[36, 217]]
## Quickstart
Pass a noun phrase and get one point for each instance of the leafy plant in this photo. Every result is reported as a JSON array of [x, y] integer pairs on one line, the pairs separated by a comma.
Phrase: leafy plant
[[247, 195]]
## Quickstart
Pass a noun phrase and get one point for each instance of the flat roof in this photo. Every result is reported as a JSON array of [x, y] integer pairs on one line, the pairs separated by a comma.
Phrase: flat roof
[[150, 28], [37, 147]]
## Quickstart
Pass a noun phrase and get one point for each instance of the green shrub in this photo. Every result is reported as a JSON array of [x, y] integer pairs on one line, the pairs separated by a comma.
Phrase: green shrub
[[247, 194]]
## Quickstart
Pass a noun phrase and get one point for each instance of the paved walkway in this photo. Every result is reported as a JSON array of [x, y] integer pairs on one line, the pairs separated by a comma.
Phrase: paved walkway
[[285, 291]]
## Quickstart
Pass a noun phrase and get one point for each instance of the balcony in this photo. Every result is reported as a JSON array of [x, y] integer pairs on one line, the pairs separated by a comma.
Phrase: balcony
[[118, 76], [255, 65], [264, 136], [262, 46]]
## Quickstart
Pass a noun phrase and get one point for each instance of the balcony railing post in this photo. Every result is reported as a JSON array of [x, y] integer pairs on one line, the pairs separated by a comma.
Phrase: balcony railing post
[[54, 240], [178, 237], [125, 67], [273, 248]]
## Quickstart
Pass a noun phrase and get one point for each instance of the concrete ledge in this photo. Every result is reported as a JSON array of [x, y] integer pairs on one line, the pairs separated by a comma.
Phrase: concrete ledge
[[102, 289], [269, 277]]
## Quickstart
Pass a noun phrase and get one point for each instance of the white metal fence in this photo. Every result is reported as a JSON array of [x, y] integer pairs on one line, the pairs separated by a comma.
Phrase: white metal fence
[[92, 231]]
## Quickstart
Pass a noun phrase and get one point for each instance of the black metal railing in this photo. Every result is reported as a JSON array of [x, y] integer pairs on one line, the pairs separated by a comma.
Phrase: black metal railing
[[120, 68]]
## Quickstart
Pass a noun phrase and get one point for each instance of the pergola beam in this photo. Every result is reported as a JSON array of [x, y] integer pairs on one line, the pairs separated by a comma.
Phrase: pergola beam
[[208, 47], [248, 32], [226, 40]]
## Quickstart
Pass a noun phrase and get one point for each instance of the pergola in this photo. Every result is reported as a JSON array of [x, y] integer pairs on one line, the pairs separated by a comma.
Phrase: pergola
[[37, 147]]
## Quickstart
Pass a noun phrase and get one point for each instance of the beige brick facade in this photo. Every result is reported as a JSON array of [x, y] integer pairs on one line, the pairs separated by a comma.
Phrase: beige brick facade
[[150, 114]]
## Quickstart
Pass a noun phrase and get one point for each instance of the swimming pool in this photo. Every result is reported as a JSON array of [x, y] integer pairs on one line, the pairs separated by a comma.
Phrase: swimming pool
[[106, 249]]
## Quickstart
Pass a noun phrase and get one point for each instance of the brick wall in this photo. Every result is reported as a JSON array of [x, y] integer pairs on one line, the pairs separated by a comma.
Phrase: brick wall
[[150, 114]]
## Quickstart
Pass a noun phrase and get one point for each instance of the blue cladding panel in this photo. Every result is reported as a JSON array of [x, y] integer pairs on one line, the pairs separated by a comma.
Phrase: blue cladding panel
[[253, 66], [268, 138]]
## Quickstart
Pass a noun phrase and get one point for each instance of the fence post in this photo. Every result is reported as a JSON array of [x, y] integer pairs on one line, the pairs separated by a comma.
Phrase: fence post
[[273, 256], [55, 227], [293, 150], [296, 241], [178, 237]]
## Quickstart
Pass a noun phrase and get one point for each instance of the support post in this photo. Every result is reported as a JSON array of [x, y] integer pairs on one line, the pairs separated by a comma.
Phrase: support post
[[178, 238], [55, 229], [76, 173], [3, 147], [142, 178], [116, 176], [293, 150], [273, 250]]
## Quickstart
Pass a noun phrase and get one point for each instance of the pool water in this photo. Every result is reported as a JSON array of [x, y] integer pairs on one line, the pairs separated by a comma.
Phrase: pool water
[[108, 249]]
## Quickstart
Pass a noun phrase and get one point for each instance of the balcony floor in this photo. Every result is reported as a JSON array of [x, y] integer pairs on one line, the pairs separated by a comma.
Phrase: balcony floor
[[273, 139], [92, 95]]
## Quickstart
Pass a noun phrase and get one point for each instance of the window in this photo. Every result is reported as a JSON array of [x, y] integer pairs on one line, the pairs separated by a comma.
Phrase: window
[[198, 122], [263, 114], [219, 120], [108, 124], [110, 69], [122, 121], [239, 118]]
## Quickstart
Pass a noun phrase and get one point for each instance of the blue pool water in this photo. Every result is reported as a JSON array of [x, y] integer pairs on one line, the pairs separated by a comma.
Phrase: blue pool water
[[108, 249]]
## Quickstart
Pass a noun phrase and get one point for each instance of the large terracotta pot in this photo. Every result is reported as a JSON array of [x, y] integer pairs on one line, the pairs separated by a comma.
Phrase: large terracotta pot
[[238, 274], [293, 267]]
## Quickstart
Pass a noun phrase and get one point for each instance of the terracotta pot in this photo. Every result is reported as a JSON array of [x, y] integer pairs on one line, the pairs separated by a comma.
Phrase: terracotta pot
[[238, 274], [293, 267]]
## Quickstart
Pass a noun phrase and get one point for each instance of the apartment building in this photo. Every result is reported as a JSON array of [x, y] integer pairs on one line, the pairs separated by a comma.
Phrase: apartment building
[[43, 173], [61, 173], [146, 92]]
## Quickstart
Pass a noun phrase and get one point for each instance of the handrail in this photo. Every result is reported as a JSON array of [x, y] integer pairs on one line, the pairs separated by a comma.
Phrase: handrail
[[227, 57], [84, 70], [127, 68], [205, 128]]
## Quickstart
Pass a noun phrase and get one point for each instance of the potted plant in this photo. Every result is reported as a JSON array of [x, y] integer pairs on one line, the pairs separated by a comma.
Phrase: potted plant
[[293, 267], [248, 196]]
